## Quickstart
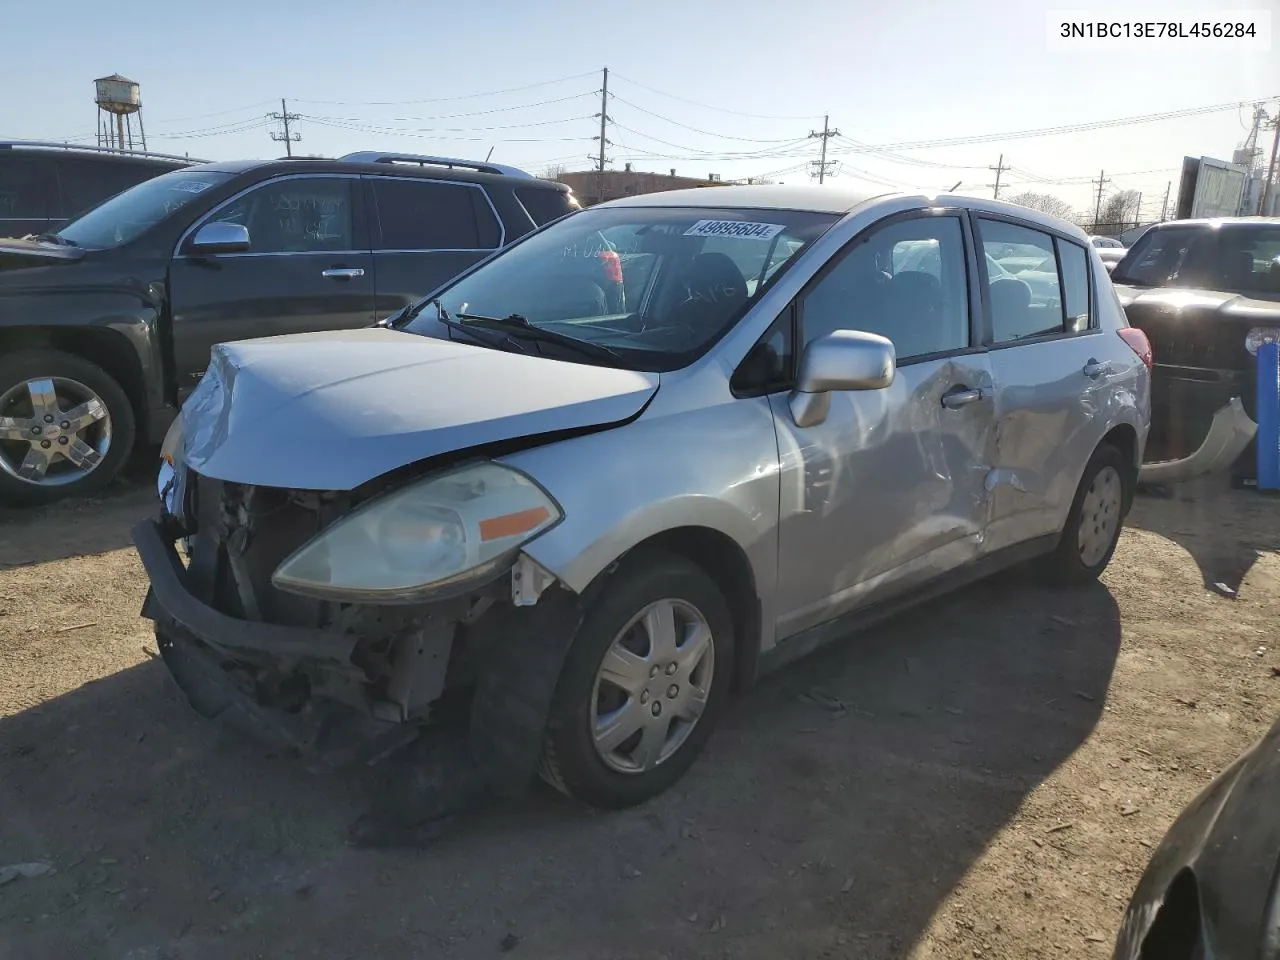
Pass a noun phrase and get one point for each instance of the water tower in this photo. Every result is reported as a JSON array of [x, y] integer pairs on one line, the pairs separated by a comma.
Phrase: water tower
[[119, 100]]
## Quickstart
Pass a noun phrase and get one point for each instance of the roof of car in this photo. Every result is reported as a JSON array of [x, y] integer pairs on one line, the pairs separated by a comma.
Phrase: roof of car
[[439, 170], [1219, 222], [818, 199]]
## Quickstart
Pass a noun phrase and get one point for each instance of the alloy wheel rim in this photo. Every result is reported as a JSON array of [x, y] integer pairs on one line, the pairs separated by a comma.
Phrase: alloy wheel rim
[[1099, 516], [53, 431], [652, 685]]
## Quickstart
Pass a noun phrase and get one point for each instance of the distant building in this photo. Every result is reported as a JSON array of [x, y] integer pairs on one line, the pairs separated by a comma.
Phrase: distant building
[[590, 186]]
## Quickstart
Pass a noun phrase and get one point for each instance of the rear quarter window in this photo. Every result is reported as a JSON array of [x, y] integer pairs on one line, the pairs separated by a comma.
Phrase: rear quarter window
[[542, 204], [24, 188]]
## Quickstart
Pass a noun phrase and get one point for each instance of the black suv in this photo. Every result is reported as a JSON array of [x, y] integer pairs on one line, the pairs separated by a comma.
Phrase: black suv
[[106, 324], [43, 185]]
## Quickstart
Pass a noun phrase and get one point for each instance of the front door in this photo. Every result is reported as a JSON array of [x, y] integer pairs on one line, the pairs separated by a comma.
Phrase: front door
[[1054, 373], [888, 491], [309, 267]]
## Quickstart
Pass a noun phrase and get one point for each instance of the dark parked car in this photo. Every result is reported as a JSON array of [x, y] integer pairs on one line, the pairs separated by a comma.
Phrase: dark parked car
[[1212, 888], [42, 185], [106, 324], [1202, 291]]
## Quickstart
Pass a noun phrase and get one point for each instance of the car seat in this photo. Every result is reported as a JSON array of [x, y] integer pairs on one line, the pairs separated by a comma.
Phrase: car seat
[[713, 291], [1010, 308]]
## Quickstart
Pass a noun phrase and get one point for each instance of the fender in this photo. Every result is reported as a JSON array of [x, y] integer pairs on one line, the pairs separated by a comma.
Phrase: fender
[[86, 307]]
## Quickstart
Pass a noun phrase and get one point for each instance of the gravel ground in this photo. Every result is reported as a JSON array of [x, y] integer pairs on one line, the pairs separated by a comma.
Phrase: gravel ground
[[983, 777]]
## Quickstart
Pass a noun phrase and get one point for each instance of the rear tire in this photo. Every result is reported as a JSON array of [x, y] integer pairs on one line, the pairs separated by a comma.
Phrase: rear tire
[[662, 685], [36, 388], [1094, 522]]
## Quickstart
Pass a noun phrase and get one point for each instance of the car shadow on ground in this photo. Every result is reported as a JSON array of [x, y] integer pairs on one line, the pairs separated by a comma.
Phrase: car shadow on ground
[[842, 799], [1219, 527], [81, 526]]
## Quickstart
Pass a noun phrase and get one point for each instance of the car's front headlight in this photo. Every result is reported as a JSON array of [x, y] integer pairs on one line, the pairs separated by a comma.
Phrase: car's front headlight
[[1256, 337], [439, 535]]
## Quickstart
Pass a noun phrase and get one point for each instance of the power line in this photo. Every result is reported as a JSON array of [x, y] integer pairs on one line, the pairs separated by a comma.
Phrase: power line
[[463, 96], [320, 118], [707, 106], [697, 153], [472, 113], [708, 133], [287, 138]]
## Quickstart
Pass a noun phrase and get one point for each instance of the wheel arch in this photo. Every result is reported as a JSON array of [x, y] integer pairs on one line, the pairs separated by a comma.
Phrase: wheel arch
[[1124, 437]]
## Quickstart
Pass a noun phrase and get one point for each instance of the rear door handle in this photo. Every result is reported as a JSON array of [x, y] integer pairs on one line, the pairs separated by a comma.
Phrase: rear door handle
[[343, 273], [959, 397], [1096, 368]]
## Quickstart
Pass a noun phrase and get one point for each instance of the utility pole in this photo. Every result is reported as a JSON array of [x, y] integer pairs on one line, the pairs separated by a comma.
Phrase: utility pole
[[601, 160], [1164, 207], [289, 139], [999, 168], [1097, 210], [826, 134], [1137, 210], [1271, 167]]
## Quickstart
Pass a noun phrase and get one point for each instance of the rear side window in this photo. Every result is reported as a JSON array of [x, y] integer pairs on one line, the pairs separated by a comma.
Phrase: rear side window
[[429, 215], [84, 182], [1026, 298], [1075, 285], [543, 205], [24, 188]]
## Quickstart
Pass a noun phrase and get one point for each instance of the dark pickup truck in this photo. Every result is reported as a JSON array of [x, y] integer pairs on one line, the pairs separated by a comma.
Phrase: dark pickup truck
[[106, 324], [1205, 292]]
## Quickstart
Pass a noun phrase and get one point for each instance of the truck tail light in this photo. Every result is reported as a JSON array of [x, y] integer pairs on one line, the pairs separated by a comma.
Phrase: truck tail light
[[1138, 343], [612, 265]]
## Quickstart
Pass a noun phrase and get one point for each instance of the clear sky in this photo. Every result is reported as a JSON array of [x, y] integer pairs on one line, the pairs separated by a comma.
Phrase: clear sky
[[730, 88]]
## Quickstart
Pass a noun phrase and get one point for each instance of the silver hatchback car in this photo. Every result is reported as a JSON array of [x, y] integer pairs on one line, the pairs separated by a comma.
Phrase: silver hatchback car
[[569, 503]]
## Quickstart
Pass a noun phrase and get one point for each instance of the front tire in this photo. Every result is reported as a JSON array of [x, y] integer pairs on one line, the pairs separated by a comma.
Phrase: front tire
[[66, 427], [1093, 525], [643, 686]]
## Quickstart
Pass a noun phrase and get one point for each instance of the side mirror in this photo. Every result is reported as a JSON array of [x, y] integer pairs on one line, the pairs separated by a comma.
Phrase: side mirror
[[841, 360], [220, 238]]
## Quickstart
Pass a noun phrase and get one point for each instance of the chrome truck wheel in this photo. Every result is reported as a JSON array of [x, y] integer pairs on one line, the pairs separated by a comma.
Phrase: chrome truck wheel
[[65, 427]]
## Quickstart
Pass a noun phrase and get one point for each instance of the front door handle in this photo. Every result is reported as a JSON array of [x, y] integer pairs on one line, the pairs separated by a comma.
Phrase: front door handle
[[959, 397], [1096, 368], [342, 273]]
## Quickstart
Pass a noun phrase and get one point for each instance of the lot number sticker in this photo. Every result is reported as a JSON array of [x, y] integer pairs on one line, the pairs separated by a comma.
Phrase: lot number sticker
[[737, 229]]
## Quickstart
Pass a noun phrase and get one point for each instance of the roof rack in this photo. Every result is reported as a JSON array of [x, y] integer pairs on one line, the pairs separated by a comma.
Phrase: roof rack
[[115, 151], [376, 156]]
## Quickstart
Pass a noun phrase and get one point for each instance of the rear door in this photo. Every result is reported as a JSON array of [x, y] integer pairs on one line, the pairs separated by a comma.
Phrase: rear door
[[308, 268], [1050, 362], [425, 232], [26, 188]]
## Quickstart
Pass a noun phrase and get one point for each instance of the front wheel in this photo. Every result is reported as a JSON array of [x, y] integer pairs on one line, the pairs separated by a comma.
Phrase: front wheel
[[1093, 526], [66, 427], [643, 685]]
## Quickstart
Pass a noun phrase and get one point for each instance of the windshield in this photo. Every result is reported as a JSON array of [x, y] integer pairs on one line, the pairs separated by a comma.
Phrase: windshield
[[1234, 259], [126, 215], [657, 285]]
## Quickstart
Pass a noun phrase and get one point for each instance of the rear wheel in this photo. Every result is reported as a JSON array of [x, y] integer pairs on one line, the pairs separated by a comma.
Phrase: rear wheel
[[1093, 526], [644, 684], [66, 427]]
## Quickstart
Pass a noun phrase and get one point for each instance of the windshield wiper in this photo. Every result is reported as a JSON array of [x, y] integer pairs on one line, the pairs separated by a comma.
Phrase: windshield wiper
[[501, 338], [521, 327], [51, 238]]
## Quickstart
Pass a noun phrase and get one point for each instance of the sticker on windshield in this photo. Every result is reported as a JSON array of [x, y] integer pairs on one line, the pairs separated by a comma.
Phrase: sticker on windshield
[[738, 229], [193, 186]]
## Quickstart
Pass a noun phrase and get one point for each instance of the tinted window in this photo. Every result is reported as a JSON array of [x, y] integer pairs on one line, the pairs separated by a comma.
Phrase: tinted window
[[84, 182], [23, 188], [426, 215], [1029, 302], [1075, 285], [905, 282], [126, 215], [543, 205], [295, 215]]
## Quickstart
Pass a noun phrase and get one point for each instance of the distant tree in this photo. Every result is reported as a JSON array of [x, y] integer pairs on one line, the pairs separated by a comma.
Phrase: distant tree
[[1118, 211], [1044, 202], [554, 172]]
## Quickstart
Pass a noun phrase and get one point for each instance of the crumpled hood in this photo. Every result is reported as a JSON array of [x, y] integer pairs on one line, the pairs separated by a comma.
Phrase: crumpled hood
[[330, 411]]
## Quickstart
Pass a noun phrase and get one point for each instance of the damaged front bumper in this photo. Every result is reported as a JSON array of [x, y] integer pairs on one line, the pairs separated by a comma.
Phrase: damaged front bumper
[[199, 644], [1230, 433]]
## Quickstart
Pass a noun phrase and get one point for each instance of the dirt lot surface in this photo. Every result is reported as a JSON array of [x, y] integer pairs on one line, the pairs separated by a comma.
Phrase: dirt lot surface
[[986, 777]]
